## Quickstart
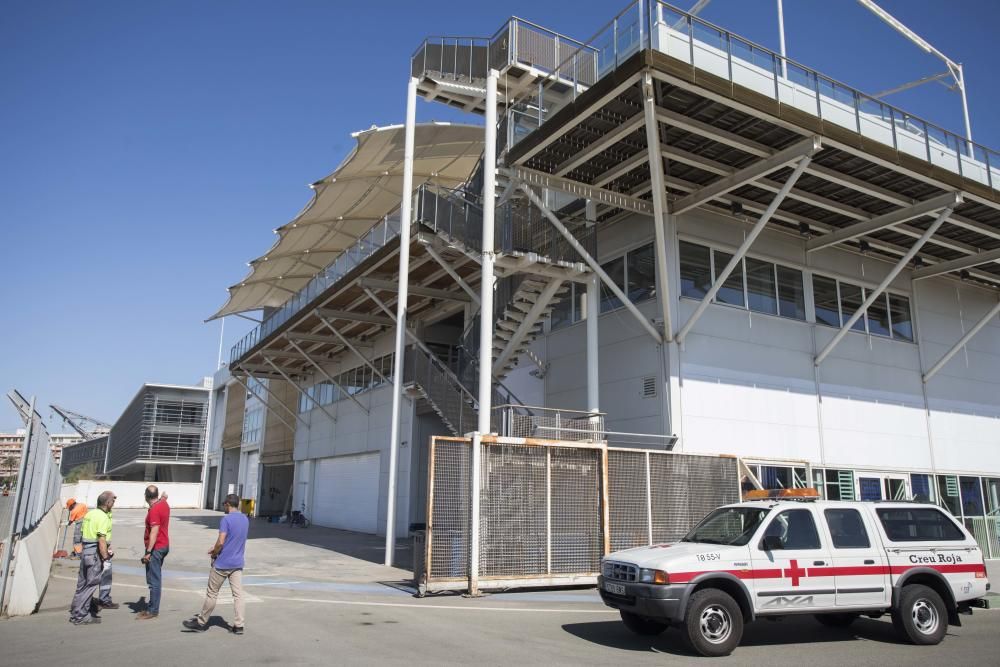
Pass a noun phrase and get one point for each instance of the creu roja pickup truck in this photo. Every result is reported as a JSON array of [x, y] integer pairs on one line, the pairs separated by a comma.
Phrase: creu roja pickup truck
[[795, 554]]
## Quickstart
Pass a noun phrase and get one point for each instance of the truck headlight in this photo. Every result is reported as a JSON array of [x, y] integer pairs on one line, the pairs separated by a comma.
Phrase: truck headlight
[[648, 576]]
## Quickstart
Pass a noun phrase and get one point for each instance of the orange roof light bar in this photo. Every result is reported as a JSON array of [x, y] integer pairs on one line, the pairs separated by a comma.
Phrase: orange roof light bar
[[807, 493]]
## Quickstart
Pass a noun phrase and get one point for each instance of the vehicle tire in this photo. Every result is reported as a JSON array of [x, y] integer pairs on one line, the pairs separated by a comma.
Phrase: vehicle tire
[[713, 623], [646, 627], [841, 620], [921, 616]]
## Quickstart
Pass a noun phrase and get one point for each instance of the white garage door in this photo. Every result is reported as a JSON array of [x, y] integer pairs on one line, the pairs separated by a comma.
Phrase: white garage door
[[345, 492]]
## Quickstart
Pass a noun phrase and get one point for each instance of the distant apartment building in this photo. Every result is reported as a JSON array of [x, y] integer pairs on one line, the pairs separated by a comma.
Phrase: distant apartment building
[[11, 443]]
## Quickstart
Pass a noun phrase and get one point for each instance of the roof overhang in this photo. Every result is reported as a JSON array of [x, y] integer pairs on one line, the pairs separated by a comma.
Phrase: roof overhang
[[365, 188]]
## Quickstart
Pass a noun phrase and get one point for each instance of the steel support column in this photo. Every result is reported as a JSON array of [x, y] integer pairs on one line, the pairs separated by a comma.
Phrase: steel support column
[[593, 350], [738, 256], [877, 292], [659, 192], [405, 215], [993, 312], [592, 263]]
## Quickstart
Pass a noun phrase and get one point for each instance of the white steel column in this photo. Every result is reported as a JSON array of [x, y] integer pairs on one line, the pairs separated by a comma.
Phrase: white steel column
[[738, 256], [405, 213], [659, 192], [993, 312], [877, 292], [486, 322], [593, 313]]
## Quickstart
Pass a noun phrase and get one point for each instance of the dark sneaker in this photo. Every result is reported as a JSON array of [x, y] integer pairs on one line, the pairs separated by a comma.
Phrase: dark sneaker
[[195, 624], [86, 620], [145, 616], [236, 629], [108, 605]]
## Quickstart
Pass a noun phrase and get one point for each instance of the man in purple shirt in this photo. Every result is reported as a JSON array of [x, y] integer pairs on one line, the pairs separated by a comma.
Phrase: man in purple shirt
[[227, 563]]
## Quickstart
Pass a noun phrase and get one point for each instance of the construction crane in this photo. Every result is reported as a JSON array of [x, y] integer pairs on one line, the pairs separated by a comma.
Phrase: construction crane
[[88, 427]]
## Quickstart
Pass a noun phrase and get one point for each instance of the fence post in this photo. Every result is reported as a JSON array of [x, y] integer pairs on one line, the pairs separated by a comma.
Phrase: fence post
[[649, 498], [475, 460], [548, 510], [605, 497]]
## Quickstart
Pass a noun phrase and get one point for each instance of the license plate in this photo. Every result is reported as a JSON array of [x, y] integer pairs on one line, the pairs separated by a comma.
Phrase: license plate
[[614, 589]]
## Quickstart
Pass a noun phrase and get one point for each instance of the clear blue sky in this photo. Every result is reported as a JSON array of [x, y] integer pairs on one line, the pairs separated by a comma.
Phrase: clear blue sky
[[149, 148]]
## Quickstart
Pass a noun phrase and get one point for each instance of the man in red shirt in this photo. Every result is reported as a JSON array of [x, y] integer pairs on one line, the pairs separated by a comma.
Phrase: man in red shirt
[[157, 543]]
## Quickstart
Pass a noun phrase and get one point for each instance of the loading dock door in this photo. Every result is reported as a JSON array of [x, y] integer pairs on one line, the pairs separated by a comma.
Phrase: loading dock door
[[345, 492]]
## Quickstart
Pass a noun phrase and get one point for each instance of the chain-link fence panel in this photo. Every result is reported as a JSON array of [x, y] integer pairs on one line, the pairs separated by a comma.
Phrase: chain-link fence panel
[[448, 518], [577, 538], [629, 499], [513, 524]]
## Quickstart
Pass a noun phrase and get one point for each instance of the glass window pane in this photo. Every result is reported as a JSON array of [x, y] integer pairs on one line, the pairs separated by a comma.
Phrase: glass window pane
[[902, 324], [847, 529], [923, 489], [761, 289], [795, 529], [878, 317], [918, 524], [991, 490], [641, 274], [791, 295], [851, 298], [732, 290], [948, 493], [696, 270], [972, 499], [825, 296], [616, 271]]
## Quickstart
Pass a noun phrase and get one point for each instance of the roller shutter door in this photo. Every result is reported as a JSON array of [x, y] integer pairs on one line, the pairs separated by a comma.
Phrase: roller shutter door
[[345, 492]]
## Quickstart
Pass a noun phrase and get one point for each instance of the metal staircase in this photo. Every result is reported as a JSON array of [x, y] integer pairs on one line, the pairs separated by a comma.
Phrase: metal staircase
[[529, 299]]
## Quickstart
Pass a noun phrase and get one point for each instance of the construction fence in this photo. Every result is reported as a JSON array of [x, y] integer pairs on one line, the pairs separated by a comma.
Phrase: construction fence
[[549, 510], [35, 493]]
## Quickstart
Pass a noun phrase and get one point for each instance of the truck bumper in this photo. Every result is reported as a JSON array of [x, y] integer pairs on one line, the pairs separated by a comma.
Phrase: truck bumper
[[664, 603]]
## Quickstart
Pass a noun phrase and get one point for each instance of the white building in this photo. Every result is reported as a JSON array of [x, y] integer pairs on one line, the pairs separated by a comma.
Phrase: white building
[[813, 286]]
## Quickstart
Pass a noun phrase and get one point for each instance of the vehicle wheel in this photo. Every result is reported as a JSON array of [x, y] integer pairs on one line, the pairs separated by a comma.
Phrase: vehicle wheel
[[921, 616], [713, 623], [836, 620], [642, 626]]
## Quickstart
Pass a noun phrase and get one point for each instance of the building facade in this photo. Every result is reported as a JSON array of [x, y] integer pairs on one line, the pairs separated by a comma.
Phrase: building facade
[[733, 257], [11, 443]]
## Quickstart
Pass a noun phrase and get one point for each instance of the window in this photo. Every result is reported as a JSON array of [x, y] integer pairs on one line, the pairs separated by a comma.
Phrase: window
[[696, 270], [826, 300], [923, 488], [847, 529], [731, 291], [899, 312], [761, 287], [851, 298], [918, 524], [948, 493], [878, 317], [780, 477], [795, 529], [972, 499], [616, 271], [728, 525], [839, 484], [641, 273], [791, 295]]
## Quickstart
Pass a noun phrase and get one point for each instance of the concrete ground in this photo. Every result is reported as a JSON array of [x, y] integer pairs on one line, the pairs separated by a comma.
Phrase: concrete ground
[[321, 596]]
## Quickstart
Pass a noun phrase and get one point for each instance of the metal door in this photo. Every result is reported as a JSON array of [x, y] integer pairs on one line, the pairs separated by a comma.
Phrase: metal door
[[860, 569], [798, 573]]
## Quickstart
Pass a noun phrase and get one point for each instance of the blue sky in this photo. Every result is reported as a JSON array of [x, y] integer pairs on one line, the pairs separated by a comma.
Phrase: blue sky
[[149, 148]]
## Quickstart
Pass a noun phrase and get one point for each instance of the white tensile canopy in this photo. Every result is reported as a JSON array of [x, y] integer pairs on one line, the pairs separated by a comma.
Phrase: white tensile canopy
[[366, 187]]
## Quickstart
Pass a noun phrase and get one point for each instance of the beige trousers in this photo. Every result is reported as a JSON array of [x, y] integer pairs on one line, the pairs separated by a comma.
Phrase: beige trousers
[[215, 580]]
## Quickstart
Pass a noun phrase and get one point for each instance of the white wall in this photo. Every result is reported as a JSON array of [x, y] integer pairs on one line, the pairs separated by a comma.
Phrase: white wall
[[29, 573], [131, 495]]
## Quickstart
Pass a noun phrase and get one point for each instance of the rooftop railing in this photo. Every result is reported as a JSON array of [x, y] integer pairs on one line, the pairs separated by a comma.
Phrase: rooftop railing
[[655, 25]]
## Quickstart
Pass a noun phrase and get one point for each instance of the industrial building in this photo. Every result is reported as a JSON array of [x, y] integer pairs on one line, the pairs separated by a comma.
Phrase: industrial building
[[692, 242]]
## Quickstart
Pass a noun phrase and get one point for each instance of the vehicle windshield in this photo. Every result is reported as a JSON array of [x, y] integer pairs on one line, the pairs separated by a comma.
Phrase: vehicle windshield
[[732, 526]]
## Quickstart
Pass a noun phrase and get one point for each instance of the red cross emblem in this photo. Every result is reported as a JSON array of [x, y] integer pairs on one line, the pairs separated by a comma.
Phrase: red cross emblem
[[794, 572]]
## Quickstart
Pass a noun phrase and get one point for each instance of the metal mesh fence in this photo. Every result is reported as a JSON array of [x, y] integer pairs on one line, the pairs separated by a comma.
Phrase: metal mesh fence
[[513, 524], [576, 534], [629, 499], [448, 518]]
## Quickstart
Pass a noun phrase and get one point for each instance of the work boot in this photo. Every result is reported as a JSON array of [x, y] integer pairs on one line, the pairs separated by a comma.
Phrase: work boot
[[195, 624], [108, 605], [86, 620], [145, 616], [236, 629]]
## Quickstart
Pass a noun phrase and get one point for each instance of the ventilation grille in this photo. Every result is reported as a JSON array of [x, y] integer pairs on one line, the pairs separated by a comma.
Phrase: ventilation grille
[[649, 386]]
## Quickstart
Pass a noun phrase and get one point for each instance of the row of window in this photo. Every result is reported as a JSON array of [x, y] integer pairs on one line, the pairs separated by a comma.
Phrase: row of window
[[354, 381], [634, 273], [773, 289], [253, 424], [182, 413]]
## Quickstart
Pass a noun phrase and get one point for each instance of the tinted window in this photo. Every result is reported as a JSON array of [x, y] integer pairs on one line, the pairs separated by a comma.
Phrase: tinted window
[[761, 290], [902, 326], [728, 525], [731, 291], [878, 317], [641, 273], [847, 529], [851, 298], [825, 296], [616, 271], [696, 270], [791, 297], [795, 529], [918, 524]]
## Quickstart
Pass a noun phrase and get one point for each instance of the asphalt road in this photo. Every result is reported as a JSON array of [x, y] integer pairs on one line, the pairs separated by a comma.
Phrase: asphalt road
[[308, 615]]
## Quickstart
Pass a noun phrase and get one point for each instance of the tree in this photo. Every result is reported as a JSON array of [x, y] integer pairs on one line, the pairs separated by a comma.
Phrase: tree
[[84, 471]]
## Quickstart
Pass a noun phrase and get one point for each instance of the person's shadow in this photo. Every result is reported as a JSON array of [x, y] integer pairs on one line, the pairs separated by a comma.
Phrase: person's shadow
[[213, 622], [137, 606]]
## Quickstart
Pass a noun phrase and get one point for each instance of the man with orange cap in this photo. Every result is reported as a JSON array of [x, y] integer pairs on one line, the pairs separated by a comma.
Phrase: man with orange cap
[[76, 513]]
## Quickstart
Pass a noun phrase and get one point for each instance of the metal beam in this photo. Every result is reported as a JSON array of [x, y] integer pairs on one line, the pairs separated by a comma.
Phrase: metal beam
[[578, 189], [932, 205], [781, 159], [429, 292], [274, 413], [993, 312], [601, 145], [356, 351], [877, 292], [267, 405], [958, 264], [329, 378], [354, 317], [592, 263], [450, 270], [747, 242], [530, 319], [292, 382], [660, 206], [312, 338]]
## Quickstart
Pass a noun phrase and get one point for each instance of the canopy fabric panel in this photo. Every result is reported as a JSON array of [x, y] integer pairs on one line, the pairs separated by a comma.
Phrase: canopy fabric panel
[[367, 186]]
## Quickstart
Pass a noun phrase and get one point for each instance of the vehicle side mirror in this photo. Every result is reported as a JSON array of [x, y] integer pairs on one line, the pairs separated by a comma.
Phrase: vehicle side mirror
[[772, 543]]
